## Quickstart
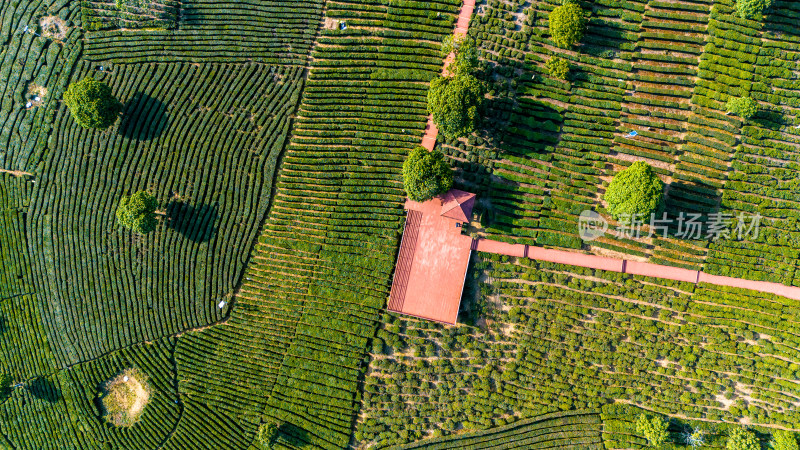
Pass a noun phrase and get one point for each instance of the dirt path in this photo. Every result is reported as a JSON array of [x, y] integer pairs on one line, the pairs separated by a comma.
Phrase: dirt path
[[17, 173]]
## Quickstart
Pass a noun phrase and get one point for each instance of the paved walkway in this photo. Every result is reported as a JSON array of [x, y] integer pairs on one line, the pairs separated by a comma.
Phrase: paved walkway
[[462, 25], [632, 267]]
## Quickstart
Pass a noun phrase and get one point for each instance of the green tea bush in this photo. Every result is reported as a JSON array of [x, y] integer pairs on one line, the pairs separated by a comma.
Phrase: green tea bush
[[557, 68], [5, 386]]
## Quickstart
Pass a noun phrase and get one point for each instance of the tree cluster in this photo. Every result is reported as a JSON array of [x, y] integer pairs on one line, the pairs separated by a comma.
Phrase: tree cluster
[[744, 107], [455, 98], [752, 9], [654, 429], [741, 439], [137, 212]]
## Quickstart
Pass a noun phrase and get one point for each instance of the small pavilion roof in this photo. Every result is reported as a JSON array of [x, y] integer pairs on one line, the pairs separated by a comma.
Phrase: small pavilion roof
[[457, 204]]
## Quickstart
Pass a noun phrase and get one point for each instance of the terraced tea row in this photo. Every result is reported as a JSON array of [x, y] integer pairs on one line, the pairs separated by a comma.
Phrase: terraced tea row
[[266, 31], [213, 185], [577, 429]]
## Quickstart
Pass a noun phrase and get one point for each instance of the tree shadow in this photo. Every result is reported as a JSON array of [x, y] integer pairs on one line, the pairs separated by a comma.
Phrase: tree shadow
[[685, 197], [44, 389], [294, 435], [3, 324], [780, 24], [144, 118], [769, 119], [194, 223]]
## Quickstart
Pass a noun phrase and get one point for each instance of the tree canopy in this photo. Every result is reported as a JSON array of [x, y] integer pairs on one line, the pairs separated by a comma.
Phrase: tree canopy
[[454, 103], [267, 433], [654, 429], [784, 440], [752, 9], [465, 52], [91, 103], [741, 439], [455, 98], [744, 107], [568, 23], [635, 191], [137, 212], [426, 174]]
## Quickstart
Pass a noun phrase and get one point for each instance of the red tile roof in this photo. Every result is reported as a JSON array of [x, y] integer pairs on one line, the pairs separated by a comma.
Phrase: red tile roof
[[434, 255]]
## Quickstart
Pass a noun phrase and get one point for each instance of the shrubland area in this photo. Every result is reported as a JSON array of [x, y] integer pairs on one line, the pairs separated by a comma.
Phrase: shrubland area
[[205, 264]]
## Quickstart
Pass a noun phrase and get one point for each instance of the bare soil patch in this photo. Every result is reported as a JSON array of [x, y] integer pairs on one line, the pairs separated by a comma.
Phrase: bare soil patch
[[124, 397], [330, 24], [53, 28]]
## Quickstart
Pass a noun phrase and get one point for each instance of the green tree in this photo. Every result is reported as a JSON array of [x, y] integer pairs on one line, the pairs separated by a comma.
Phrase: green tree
[[744, 107], [568, 23], [741, 439], [92, 104], [426, 174], [654, 429], [752, 9], [557, 67], [465, 52], [635, 191], [784, 440], [266, 435], [454, 103], [138, 212]]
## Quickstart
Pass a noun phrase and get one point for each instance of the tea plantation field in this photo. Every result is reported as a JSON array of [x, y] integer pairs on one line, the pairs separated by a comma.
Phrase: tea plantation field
[[272, 134], [664, 70], [556, 338]]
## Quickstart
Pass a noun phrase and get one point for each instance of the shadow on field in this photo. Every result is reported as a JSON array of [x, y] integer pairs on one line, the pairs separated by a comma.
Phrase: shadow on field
[[194, 223], [3, 324], [44, 389], [769, 119], [144, 118], [296, 436]]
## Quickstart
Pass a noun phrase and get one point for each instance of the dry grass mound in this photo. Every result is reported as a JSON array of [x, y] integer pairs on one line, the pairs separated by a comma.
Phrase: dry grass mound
[[53, 28], [124, 397]]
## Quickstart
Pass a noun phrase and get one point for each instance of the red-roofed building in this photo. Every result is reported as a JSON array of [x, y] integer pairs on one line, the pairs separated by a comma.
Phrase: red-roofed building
[[433, 259]]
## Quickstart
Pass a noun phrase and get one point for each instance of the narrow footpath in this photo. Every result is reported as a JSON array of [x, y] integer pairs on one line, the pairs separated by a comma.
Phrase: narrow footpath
[[462, 25], [631, 267]]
